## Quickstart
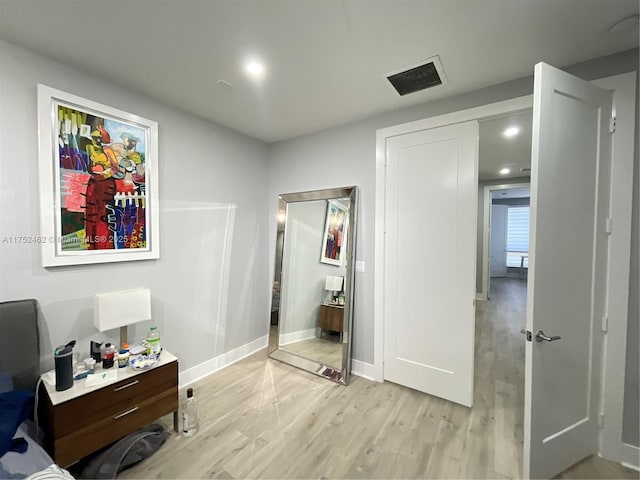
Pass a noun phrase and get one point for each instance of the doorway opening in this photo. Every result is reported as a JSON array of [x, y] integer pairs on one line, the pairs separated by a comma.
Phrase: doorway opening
[[508, 234], [504, 167], [543, 439], [504, 163]]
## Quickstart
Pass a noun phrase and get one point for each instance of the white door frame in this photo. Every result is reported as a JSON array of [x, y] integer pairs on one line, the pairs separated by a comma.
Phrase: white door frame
[[615, 340], [488, 189], [477, 113], [614, 348]]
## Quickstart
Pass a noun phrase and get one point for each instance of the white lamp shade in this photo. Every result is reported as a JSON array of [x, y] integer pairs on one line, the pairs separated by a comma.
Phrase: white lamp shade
[[333, 283], [118, 309]]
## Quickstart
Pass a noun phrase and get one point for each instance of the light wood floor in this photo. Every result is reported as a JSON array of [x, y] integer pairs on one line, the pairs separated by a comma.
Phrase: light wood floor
[[326, 350], [263, 419]]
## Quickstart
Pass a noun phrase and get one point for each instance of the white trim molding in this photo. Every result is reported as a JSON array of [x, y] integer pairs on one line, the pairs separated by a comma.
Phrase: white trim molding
[[631, 456], [204, 369], [363, 369], [382, 135], [299, 336], [615, 339]]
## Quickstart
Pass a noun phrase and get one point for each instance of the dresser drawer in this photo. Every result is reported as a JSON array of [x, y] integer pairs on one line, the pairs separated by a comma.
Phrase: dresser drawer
[[331, 317], [112, 400], [70, 448]]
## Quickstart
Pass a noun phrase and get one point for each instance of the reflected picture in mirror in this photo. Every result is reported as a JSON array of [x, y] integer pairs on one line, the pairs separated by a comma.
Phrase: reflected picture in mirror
[[335, 232], [312, 296]]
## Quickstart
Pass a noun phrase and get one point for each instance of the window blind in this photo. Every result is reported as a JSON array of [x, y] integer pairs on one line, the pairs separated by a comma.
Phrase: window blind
[[517, 235]]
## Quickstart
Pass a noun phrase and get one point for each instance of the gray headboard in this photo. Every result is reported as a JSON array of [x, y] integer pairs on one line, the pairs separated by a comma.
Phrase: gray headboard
[[20, 342]]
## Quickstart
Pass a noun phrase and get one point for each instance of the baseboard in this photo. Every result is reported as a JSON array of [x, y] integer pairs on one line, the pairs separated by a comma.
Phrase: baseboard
[[204, 369], [362, 369], [631, 456], [299, 336]]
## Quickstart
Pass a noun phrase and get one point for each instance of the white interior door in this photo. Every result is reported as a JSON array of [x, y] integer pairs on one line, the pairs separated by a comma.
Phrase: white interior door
[[567, 270], [498, 244], [430, 258]]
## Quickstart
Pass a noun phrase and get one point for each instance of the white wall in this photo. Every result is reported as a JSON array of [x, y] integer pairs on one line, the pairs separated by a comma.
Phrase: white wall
[[339, 157], [345, 155], [208, 287]]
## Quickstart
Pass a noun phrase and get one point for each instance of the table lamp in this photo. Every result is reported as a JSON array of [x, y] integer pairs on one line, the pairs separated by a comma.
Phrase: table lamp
[[120, 309], [332, 284]]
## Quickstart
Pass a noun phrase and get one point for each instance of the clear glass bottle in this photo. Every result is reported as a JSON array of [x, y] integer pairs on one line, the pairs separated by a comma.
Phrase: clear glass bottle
[[153, 341], [189, 415]]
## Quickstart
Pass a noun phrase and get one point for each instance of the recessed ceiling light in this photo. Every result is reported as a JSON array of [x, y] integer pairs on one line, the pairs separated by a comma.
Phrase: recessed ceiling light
[[254, 68], [504, 171], [511, 132]]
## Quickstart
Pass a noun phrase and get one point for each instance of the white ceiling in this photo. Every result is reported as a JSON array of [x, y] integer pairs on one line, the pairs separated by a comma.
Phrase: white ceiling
[[524, 192], [325, 60], [497, 151]]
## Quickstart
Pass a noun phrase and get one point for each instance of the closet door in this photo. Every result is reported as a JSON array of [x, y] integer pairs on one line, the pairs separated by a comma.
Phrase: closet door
[[430, 260]]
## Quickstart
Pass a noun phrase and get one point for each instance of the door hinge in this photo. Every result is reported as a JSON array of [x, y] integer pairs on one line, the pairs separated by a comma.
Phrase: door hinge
[[601, 420], [608, 226], [612, 125], [605, 323]]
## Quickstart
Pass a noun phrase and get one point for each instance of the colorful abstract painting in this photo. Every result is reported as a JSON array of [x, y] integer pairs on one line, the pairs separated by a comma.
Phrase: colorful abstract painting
[[334, 243], [101, 177]]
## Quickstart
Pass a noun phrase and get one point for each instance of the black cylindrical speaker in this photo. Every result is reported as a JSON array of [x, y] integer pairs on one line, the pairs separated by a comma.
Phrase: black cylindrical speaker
[[63, 358]]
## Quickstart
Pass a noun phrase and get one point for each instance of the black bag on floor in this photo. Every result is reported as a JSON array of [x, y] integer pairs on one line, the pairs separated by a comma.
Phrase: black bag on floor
[[126, 452]]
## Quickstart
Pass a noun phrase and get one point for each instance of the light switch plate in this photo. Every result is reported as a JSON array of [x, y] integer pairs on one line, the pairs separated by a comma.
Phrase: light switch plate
[[359, 266]]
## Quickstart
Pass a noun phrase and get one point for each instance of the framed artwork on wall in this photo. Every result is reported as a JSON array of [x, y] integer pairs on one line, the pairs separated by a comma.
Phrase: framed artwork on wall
[[98, 169], [334, 242]]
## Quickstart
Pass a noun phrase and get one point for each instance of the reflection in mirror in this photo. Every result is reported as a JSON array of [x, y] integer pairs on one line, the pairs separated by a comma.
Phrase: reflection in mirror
[[312, 297]]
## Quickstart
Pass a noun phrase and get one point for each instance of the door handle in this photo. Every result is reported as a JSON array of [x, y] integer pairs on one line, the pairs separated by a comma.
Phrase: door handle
[[540, 336]]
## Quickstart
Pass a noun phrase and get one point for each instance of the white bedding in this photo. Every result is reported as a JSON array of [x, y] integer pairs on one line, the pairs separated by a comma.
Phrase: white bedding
[[31, 461]]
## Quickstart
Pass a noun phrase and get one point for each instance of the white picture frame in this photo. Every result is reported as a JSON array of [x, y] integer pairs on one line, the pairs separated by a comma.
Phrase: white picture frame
[[334, 239], [98, 174]]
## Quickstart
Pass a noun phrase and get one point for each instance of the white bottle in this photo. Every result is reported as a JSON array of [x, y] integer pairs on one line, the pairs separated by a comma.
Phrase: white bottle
[[189, 415], [153, 341]]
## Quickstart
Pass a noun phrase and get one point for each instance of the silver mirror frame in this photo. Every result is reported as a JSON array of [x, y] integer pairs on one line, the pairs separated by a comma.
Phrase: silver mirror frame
[[299, 361]]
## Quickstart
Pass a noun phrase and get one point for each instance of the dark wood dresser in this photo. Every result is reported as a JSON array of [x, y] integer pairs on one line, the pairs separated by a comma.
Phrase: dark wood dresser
[[331, 317], [81, 420]]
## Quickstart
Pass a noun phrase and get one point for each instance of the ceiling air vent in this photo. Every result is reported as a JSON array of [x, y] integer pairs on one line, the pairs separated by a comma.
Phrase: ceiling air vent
[[525, 169], [426, 74]]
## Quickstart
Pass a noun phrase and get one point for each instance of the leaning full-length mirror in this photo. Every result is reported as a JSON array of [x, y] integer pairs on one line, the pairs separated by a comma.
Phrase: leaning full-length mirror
[[312, 303]]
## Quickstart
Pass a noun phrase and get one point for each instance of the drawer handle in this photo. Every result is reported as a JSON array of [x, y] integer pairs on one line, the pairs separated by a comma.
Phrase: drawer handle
[[126, 386], [123, 414]]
